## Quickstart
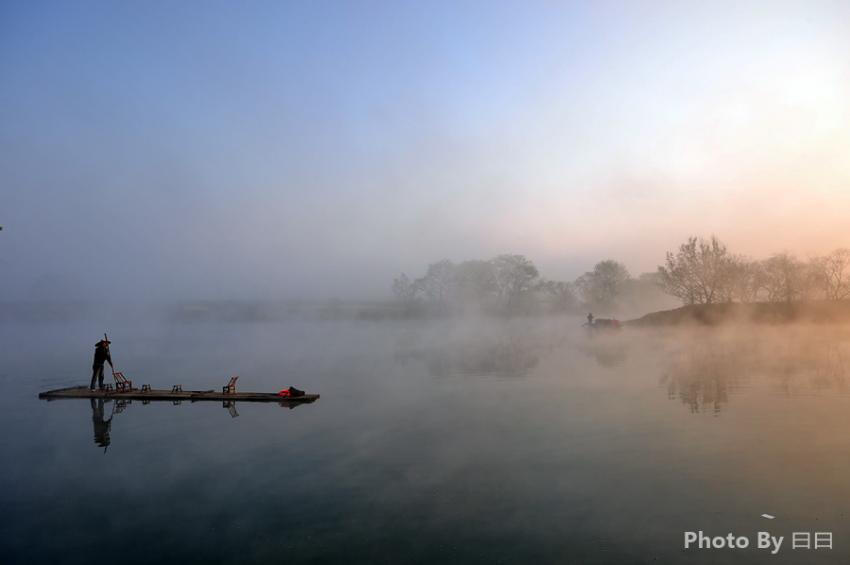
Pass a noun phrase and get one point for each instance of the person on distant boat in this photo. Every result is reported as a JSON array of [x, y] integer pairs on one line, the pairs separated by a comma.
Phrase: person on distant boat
[[101, 355], [590, 318], [101, 425]]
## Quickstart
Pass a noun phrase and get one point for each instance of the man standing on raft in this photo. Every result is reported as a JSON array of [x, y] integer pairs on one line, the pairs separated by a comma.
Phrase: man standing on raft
[[101, 354]]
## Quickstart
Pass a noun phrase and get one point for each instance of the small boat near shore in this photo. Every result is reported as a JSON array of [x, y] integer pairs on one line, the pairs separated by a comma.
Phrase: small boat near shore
[[606, 324]]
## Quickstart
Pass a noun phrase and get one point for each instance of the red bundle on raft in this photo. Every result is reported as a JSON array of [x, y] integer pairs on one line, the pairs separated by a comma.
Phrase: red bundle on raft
[[290, 392]]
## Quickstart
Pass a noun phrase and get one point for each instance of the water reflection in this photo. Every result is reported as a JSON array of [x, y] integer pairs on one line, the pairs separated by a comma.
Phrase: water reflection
[[702, 378], [102, 426], [231, 408], [706, 370]]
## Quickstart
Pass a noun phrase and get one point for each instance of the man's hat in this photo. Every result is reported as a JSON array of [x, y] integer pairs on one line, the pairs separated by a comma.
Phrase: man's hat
[[106, 341]]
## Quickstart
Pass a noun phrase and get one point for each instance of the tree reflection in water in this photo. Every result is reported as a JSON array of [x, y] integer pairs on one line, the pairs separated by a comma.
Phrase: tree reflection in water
[[701, 377], [707, 369]]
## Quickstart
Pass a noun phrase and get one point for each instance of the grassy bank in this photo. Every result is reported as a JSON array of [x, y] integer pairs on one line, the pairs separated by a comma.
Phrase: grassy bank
[[820, 311]]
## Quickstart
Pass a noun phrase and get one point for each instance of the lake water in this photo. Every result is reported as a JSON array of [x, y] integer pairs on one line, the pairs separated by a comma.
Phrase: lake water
[[451, 441]]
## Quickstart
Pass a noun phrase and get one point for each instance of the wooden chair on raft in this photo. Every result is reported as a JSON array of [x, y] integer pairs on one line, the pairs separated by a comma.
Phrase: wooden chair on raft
[[122, 384]]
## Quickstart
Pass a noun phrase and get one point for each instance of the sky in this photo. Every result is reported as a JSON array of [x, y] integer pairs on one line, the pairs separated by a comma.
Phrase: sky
[[281, 150]]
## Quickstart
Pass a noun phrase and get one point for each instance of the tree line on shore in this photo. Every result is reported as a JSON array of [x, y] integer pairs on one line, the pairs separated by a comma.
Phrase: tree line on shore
[[700, 271], [513, 284], [705, 272]]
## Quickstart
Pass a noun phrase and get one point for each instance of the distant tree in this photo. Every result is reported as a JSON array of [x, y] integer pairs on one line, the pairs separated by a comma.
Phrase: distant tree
[[785, 278], [601, 286], [833, 272], [405, 290], [476, 280], [515, 276], [699, 273], [814, 280], [562, 293], [438, 282], [747, 280]]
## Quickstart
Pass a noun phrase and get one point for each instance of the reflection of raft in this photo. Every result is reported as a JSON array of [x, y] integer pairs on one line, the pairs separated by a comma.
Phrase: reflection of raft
[[175, 394]]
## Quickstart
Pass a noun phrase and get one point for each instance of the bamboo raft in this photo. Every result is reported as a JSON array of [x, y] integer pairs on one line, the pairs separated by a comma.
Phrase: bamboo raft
[[176, 394]]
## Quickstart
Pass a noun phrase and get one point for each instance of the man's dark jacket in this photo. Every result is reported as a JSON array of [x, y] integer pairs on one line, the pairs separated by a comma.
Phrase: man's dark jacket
[[101, 354]]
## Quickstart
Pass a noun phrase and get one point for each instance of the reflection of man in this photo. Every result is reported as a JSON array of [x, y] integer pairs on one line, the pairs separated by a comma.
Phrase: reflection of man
[[589, 319], [101, 426], [101, 355]]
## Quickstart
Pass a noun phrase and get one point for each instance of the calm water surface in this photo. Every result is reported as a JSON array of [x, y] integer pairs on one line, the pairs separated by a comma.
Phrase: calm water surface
[[440, 442]]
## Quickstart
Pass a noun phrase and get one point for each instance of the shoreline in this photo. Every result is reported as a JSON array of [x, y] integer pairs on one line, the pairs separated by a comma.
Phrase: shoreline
[[773, 313]]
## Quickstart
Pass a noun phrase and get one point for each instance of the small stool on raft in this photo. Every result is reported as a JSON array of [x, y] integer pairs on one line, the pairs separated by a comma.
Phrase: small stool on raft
[[230, 387]]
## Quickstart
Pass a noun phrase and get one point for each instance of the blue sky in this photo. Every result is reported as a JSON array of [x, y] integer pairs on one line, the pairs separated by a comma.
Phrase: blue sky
[[158, 150]]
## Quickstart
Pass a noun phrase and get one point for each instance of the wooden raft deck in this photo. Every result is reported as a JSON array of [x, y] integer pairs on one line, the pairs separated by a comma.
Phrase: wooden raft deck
[[162, 394]]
